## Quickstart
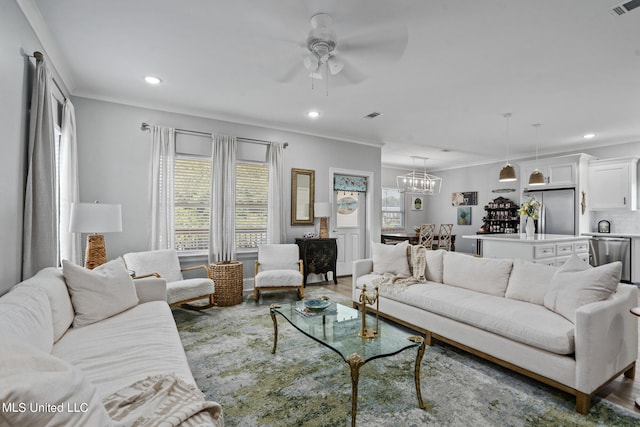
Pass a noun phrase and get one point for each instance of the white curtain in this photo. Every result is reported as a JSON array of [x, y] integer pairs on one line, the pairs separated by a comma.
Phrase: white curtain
[[163, 154], [275, 211], [222, 231], [70, 243], [40, 224]]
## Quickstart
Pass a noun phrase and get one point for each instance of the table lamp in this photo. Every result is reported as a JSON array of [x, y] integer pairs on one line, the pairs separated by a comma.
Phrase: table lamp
[[323, 211], [95, 219]]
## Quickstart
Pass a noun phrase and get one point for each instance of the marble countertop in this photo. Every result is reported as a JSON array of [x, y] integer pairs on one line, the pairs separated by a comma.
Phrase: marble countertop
[[628, 235], [521, 238]]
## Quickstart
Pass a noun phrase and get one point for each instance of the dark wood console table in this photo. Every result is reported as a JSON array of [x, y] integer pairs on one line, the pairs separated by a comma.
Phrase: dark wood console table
[[319, 256]]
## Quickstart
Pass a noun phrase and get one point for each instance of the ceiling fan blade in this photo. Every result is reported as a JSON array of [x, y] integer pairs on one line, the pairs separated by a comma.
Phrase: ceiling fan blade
[[385, 44], [287, 74]]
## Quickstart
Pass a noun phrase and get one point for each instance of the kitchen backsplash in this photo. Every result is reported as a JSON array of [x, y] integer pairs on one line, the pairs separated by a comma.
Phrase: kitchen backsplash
[[621, 222]]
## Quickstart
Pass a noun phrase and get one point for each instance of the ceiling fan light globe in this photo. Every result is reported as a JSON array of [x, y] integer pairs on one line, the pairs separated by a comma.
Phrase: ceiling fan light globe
[[335, 66], [311, 62]]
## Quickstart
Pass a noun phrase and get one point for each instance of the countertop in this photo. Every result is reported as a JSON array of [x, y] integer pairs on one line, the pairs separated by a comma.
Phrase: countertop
[[630, 236], [521, 238]]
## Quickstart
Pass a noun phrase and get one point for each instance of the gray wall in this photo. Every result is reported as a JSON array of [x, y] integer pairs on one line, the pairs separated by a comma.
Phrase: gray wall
[[16, 38], [114, 157]]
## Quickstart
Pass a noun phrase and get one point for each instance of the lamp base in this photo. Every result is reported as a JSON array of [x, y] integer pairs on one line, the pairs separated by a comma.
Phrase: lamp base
[[324, 229], [96, 253]]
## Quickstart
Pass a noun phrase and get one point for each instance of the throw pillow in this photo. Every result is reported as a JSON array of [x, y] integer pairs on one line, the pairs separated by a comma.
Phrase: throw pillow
[[37, 388], [576, 283], [390, 258], [529, 281], [99, 293]]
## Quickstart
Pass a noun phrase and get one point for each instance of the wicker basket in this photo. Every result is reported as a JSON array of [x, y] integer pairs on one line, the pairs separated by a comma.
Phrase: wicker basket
[[227, 277]]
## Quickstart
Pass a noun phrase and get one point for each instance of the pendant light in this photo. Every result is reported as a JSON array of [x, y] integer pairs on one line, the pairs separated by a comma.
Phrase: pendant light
[[507, 173], [537, 177]]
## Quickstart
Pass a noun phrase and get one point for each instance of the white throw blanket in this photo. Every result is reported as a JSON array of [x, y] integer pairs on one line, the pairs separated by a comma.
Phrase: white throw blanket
[[162, 400], [391, 283]]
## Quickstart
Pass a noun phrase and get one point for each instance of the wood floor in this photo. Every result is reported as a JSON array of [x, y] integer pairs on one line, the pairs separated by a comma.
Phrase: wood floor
[[622, 391]]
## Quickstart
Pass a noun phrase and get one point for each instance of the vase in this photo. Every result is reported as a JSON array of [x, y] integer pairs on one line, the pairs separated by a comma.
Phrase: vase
[[530, 228]]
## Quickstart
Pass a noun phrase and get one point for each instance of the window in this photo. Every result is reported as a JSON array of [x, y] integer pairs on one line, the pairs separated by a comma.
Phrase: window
[[392, 208], [252, 196], [192, 192]]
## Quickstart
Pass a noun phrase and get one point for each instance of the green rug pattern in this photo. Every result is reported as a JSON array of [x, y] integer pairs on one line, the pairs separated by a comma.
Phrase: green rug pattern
[[307, 384]]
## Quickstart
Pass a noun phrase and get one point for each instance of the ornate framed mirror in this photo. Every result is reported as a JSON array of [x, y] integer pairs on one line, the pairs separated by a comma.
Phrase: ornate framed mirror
[[302, 196]]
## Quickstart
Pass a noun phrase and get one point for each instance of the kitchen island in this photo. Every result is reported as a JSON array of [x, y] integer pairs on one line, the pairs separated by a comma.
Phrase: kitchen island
[[549, 249]]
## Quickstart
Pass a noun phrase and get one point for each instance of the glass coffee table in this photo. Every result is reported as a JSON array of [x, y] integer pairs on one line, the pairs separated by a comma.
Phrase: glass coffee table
[[337, 328]]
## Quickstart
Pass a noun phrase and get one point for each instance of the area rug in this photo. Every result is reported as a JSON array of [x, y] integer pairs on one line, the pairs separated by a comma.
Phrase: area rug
[[307, 384]]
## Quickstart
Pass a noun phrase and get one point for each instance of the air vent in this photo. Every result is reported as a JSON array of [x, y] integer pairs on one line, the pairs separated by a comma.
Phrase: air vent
[[625, 7], [372, 115]]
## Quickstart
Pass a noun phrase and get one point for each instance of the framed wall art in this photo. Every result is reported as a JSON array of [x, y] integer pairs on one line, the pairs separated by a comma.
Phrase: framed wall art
[[417, 203], [464, 198], [464, 216]]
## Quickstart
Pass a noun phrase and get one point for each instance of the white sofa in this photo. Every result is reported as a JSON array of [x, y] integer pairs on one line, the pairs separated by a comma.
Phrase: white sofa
[[71, 372], [496, 309]]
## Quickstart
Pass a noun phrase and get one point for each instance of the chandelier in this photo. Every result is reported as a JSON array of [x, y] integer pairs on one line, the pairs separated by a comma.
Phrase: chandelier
[[419, 182]]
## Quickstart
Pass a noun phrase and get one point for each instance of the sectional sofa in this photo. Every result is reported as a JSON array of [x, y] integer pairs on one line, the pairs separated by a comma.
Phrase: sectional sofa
[[82, 347], [567, 326]]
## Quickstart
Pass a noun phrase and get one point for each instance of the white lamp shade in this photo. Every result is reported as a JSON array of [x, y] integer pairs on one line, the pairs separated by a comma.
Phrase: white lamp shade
[[322, 210], [95, 218]]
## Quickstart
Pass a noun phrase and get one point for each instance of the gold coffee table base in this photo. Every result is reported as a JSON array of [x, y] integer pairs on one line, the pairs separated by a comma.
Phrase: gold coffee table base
[[354, 360]]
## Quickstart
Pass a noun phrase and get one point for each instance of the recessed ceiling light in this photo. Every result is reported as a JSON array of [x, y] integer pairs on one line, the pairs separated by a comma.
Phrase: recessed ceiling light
[[152, 80], [589, 135], [313, 114]]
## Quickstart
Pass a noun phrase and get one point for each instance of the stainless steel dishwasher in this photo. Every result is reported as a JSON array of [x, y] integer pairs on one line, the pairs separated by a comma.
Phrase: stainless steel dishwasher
[[604, 250]]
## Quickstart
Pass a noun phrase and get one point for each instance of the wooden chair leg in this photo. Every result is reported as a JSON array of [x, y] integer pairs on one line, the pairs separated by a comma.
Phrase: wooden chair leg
[[256, 294]]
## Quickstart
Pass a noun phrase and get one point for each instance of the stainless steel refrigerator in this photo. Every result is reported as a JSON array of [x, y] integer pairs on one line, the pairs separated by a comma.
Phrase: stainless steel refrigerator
[[557, 215]]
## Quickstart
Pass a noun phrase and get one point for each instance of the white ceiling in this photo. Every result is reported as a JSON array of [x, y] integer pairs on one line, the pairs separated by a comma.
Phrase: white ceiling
[[569, 65]]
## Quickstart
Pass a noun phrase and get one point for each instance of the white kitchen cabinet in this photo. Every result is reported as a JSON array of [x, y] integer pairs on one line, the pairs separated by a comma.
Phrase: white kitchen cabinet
[[554, 175], [546, 249], [613, 184]]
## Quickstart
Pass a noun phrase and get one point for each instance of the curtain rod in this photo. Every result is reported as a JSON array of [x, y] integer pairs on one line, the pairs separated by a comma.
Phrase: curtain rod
[[146, 126], [40, 57]]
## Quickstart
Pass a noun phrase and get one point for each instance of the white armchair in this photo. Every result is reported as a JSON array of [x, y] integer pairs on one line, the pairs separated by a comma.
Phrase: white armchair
[[165, 264], [278, 267]]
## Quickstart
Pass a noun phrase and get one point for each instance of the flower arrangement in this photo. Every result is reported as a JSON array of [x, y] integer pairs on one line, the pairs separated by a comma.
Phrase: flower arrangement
[[530, 208]]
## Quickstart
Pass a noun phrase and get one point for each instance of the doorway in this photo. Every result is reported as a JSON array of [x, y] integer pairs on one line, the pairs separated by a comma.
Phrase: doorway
[[351, 215]]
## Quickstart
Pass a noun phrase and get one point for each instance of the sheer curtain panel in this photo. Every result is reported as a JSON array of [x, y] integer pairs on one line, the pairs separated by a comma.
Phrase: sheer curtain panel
[[275, 211], [222, 231], [163, 154], [40, 224], [70, 243]]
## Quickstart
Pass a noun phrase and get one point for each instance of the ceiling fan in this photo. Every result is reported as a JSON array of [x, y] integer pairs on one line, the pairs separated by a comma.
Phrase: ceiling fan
[[326, 55], [321, 43]]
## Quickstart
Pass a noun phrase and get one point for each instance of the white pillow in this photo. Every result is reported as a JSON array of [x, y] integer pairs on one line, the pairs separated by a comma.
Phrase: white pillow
[[435, 265], [486, 275], [529, 281], [25, 314], [576, 283], [390, 258], [99, 293], [42, 389]]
